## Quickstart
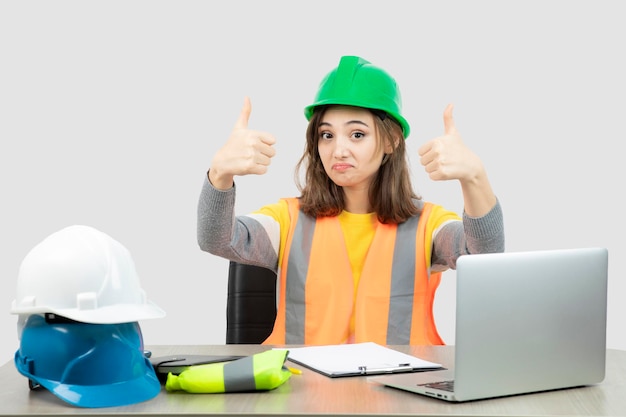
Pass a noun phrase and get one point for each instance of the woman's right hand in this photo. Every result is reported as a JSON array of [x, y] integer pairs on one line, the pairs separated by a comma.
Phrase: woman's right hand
[[245, 152]]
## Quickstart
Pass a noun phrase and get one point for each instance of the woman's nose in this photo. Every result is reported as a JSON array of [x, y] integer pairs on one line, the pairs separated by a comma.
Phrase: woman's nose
[[342, 148]]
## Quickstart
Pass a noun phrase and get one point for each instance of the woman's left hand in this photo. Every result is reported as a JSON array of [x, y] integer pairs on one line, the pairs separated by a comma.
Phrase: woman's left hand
[[447, 158]]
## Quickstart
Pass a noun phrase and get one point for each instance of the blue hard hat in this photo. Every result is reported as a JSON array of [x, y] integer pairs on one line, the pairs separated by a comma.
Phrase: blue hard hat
[[85, 364]]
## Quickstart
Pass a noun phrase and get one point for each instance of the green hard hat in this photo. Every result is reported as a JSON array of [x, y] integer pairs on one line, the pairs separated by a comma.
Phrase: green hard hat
[[356, 82]]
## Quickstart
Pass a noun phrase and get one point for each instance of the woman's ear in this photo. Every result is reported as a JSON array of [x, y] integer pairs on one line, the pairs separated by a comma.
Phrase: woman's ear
[[390, 147]]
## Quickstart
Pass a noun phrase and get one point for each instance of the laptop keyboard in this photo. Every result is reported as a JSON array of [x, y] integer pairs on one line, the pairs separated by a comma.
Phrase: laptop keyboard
[[443, 385]]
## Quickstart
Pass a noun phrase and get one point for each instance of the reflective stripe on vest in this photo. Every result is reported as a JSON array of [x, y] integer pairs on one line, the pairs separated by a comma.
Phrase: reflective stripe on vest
[[239, 375], [296, 279], [394, 296]]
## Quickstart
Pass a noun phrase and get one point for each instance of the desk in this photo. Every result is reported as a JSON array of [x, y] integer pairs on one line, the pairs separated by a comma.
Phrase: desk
[[314, 394]]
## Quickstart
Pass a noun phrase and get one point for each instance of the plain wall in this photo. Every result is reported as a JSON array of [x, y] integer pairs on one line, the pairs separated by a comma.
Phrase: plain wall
[[111, 111]]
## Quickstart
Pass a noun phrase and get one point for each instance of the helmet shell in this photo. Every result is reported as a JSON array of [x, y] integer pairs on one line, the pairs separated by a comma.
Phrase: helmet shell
[[87, 365], [85, 275], [356, 82]]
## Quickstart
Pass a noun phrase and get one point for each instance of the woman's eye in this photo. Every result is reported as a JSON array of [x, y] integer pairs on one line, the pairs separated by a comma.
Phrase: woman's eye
[[358, 135], [325, 135]]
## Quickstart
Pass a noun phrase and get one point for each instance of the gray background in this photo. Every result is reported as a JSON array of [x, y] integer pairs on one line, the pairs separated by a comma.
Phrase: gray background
[[110, 112]]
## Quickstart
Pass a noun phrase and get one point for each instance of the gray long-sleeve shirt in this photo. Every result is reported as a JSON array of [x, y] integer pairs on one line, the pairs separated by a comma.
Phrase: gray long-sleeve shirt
[[244, 239]]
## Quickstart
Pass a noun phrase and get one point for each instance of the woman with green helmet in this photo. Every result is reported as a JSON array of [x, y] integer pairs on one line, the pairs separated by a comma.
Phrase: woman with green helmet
[[359, 255]]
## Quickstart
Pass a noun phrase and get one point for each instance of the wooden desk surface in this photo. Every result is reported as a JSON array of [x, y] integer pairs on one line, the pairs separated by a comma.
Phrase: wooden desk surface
[[314, 394]]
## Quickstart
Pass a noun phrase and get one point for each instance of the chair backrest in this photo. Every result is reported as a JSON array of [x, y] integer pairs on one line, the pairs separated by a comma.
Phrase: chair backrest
[[251, 304]]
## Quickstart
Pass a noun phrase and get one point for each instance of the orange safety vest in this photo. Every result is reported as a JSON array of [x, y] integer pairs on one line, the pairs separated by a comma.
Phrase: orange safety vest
[[395, 294]]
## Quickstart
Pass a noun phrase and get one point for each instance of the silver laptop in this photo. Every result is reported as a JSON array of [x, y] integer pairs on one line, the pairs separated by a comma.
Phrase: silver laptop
[[525, 322]]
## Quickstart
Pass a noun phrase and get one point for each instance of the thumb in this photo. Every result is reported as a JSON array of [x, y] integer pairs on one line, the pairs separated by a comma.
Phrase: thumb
[[448, 120], [244, 116]]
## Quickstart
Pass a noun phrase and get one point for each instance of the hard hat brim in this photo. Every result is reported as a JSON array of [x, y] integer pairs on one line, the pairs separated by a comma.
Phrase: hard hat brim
[[120, 313], [107, 395], [404, 124]]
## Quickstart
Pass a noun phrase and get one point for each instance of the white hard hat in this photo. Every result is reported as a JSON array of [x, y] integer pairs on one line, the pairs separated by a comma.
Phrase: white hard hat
[[84, 275]]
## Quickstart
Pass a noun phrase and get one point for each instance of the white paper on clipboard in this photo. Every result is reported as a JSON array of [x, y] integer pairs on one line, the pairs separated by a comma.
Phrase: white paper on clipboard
[[366, 358]]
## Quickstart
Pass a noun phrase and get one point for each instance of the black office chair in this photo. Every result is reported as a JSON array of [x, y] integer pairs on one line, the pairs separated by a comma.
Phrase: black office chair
[[251, 303]]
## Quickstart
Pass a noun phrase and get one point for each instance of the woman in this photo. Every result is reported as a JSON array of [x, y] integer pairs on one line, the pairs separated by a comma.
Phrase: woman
[[358, 254]]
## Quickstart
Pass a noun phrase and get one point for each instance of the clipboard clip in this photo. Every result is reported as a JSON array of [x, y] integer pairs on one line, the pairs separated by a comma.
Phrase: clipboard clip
[[402, 367]]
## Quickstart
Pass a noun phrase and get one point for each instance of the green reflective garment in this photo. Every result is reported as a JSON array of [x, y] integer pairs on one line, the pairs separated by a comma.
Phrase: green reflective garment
[[259, 372]]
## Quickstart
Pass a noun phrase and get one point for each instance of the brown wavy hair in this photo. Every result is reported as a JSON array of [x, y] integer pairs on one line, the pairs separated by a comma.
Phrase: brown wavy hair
[[391, 193]]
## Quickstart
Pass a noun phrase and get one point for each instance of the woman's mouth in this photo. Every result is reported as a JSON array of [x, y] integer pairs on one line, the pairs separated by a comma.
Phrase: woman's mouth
[[341, 167]]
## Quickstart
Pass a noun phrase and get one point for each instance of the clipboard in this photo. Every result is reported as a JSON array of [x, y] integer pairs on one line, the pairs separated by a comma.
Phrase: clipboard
[[358, 359]]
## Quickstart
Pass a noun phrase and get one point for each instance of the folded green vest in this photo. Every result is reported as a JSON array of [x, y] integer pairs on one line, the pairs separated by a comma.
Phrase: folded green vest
[[259, 372]]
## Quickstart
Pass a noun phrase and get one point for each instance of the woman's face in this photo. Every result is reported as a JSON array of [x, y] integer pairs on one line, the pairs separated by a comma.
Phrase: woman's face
[[348, 146]]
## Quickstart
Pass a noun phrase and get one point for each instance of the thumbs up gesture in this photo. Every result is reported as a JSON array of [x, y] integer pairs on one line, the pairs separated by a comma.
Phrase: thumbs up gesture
[[245, 152], [446, 157]]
